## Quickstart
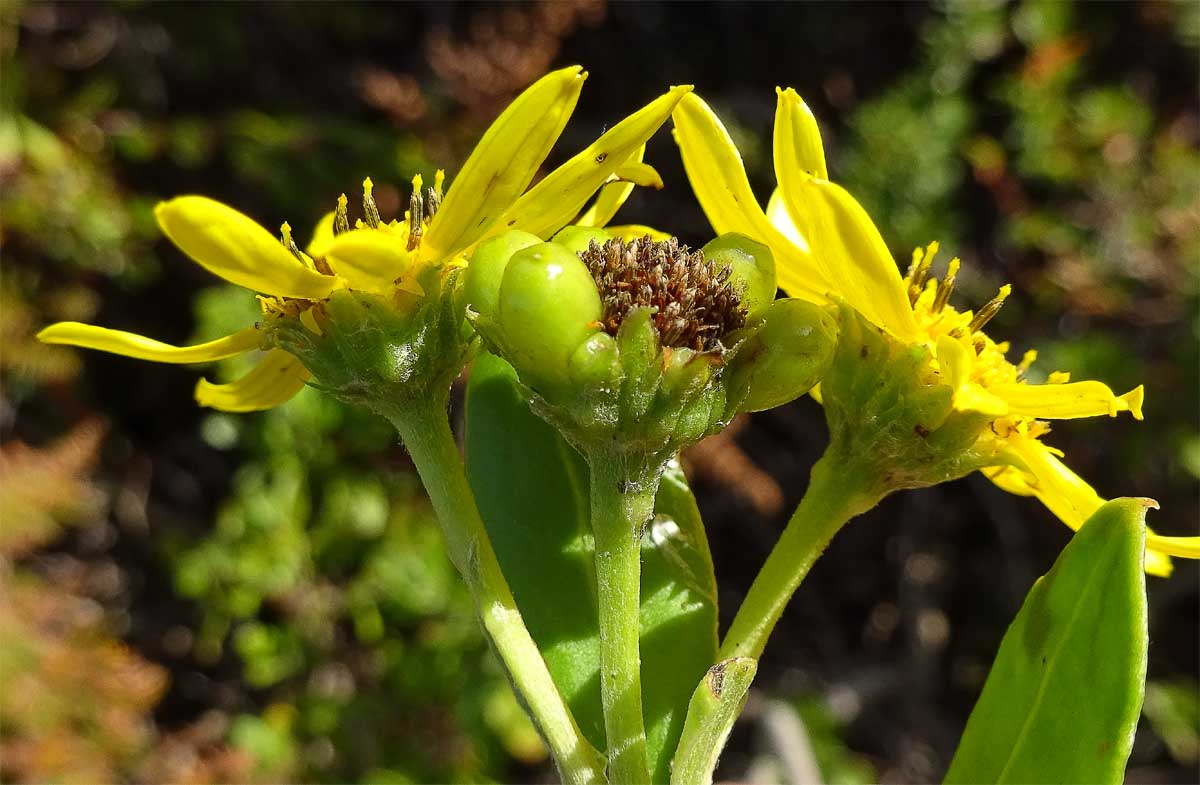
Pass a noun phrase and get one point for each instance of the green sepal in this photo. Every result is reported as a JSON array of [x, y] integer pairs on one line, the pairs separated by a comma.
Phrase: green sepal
[[373, 351], [1063, 698]]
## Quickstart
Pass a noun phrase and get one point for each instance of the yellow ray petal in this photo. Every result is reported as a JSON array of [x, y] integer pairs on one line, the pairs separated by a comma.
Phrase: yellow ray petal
[[102, 339], [1066, 494], [718, 178], [639, 173], [559, 197], [368, 259], [1183, 547], [629, 232], [503, 163], [1068, 401], [955, 361], [797, 137], [848, 249], [277, 378], [806, 284], [610, 198], [231, 245], [322, 232]]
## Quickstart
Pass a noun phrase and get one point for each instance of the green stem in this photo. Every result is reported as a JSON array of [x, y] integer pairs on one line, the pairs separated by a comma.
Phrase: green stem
[[622, 503], [425, 431], [837, 491]]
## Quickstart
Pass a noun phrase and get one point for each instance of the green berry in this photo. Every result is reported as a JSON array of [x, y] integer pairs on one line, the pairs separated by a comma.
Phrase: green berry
[[786, 356], [752, 265], [481, 285], [549, 305]]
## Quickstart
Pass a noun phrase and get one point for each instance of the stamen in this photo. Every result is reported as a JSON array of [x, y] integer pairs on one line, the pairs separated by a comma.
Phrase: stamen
[[986, 313], [416, 207], [369, 208], [433, 200], [285, 237], [1027, 360], [946, 287], [695, 302], [341, 217], [919, 270], [438, 178]]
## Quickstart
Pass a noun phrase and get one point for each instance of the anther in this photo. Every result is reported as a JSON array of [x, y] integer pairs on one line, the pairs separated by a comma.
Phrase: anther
[[371, 212], [1027, 361], [341, 217], [285, 237], [986, 313], [919, 271], [946, 287]]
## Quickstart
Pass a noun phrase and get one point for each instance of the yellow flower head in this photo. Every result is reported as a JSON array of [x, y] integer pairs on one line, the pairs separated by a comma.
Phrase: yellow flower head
[[828, 249], [490, 195]]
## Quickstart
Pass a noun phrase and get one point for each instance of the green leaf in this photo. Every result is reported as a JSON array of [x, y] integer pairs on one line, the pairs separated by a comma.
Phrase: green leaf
[[531, 488], [1063, 697]]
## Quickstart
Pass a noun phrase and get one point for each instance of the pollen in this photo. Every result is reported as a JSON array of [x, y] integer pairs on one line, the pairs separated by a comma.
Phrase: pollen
[[695, 302]]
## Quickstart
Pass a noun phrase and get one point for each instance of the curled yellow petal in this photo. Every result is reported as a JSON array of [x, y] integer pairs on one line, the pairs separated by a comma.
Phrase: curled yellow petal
[[639, 173], [231, 245], [277, 378], [797, 137], [1069, 401], [503, 163], [718, 178], [955, 361], [369, 259], [1065, 493], [610, 198], [848, 249], [322, 232], [89, 336], [558, 198]]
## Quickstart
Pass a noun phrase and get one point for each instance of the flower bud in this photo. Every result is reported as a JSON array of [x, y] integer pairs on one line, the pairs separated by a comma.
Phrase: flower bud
[[548, 306], [752, 266], [788, 353], [576, 239], [481, 284]]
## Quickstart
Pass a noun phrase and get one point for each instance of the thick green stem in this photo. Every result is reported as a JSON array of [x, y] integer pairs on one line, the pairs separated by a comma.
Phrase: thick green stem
[[622, 503], [425, 431], [837, 491]]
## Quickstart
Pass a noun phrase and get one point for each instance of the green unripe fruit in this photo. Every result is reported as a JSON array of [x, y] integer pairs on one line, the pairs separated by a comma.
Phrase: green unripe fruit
[[786, 356], [481, 284], [577, 238], [596, 362], [549, 305], [752, 265]]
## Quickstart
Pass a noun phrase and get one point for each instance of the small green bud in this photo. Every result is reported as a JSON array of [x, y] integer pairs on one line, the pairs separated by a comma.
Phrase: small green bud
[[752, 266], [481, 284], [788, 353], [576, 239], [548, 306]]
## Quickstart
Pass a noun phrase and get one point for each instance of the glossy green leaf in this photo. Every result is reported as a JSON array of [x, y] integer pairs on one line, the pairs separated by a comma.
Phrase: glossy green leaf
[[1063, 697], [531, 488]]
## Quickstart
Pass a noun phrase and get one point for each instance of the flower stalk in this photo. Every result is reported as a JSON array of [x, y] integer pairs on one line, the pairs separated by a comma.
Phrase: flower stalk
[[425, 431], [622, 503]]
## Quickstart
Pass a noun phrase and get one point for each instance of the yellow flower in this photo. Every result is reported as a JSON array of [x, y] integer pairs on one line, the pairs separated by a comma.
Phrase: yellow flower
[[826, 246], [490, 195]]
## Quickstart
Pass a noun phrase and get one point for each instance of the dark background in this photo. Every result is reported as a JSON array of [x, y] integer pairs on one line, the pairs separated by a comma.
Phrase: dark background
[[211, 598]]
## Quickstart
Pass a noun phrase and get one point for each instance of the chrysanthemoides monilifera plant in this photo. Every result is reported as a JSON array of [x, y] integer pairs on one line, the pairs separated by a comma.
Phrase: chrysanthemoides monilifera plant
[[634, 346], [635, 350]]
